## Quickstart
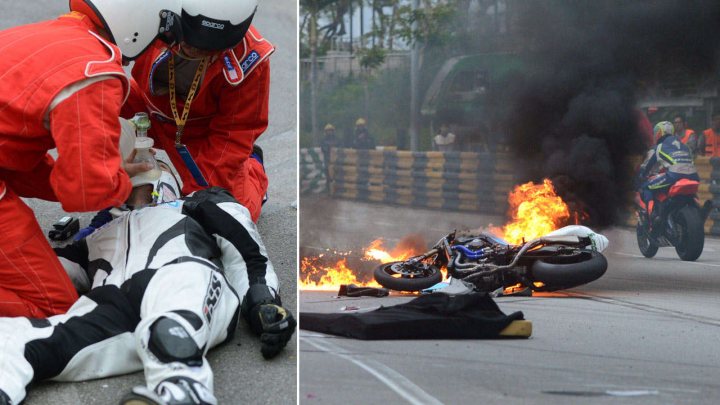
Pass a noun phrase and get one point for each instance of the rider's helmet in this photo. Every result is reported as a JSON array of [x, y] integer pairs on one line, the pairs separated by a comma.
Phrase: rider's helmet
[[216, 25], [329, 127], [663, 128], [165, 188], [360, 122], [134, 24]]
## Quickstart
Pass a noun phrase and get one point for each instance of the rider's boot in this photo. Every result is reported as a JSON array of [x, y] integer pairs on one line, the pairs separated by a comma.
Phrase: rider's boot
[[705, 210], [652, 217], [172, 391], [656, 220]]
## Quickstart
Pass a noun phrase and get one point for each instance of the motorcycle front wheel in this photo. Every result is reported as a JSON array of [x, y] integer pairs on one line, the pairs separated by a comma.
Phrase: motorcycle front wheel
[[590, 266], [645, 244], [690, 234], [402, 276]]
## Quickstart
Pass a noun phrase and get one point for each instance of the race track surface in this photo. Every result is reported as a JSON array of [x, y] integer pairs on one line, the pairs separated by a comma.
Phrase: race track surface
[[645, 333]]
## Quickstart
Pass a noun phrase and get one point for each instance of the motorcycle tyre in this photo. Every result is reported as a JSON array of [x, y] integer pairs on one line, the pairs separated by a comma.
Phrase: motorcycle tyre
[[689, 219], [560, 276], [651, 250], [406, 283]]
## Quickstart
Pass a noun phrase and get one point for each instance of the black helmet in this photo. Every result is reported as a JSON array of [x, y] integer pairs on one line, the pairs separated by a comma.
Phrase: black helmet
[[216, 25]]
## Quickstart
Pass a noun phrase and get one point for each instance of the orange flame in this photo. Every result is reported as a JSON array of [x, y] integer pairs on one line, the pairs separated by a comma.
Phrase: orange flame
[[322, 277], [376, 252], [535, 210], [328, 278]]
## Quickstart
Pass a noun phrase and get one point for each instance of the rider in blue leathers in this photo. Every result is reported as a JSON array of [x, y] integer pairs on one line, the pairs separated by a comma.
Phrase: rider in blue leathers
[[672, 159]]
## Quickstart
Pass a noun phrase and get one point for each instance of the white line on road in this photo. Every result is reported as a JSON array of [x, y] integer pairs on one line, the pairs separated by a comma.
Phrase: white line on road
[[386, 375]]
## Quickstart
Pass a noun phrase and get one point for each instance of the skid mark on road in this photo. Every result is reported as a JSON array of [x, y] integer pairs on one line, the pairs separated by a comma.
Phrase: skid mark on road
[[664, 260], [648, 308], [386, 375]]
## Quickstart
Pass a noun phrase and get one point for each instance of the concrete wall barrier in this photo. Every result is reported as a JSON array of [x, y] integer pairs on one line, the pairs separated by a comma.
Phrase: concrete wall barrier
[[312, 171], [464, 181], [714, 195]]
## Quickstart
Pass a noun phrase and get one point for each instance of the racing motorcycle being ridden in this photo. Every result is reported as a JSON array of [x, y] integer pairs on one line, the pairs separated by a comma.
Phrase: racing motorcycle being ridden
[[676, 219], [489, 263]]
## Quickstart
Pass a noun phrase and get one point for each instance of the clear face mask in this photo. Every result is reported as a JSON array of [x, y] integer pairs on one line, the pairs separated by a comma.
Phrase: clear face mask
[[164, 190]]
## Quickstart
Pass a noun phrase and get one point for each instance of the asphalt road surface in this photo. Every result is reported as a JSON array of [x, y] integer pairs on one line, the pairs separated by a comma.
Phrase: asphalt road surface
[[645, 333], [241, 374]]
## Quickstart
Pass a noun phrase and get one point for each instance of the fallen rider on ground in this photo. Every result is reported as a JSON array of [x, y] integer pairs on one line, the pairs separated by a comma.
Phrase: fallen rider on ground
[[164, 282]]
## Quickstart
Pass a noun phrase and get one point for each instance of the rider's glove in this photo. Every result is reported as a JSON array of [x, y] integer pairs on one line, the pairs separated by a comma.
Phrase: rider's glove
[[276, 328], [599, 242], [100, 219], [268, 319]]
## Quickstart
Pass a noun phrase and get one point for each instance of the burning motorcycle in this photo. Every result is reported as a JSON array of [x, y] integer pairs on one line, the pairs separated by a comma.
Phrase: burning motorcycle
[[677, 220], [488, 263]]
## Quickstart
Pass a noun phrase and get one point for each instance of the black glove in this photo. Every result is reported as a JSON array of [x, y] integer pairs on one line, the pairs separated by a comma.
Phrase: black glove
[[268, 319], [275, 325]]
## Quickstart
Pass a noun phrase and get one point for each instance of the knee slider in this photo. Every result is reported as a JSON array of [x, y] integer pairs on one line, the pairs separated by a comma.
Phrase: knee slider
[[170, 342]]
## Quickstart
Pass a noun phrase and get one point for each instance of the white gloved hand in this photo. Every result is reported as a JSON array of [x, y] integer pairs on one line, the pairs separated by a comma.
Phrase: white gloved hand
[[599, 242]]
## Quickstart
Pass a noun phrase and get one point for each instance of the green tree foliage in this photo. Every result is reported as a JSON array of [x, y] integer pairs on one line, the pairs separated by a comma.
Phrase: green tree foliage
[[440, 28], [435, 22]]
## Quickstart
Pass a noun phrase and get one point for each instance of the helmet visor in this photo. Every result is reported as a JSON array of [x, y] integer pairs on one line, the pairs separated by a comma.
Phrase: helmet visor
[[170, 30]]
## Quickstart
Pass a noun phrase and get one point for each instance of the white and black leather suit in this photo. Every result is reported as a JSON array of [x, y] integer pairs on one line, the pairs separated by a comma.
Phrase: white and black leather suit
[[167, 283]]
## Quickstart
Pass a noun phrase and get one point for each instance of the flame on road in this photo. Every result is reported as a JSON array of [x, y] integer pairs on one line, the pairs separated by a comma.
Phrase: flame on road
[[320, 273], [376, 252], [535, 210], [319, 277]]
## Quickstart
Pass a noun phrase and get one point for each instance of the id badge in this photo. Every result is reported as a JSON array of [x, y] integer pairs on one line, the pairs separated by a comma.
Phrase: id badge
[[191, 165]]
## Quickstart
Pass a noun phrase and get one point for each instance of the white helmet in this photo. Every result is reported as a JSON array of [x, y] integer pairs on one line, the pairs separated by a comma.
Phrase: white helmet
[[663, 128], [134, 24], [215, 25]]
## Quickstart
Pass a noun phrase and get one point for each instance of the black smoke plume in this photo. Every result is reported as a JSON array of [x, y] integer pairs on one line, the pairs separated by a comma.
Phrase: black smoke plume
[[573, 117]]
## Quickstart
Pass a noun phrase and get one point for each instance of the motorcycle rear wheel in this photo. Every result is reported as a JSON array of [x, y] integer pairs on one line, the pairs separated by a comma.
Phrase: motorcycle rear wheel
[[559, 276], [690, 232], [403, 277], [647, 247]]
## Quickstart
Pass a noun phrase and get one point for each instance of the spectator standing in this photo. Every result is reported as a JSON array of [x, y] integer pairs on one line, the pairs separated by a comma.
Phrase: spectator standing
[[444, 141], [329, 141], [687, 135], [710, 135], [362, 139]]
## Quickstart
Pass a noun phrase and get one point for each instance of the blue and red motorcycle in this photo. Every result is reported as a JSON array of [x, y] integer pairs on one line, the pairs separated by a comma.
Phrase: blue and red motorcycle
[[673, 218]]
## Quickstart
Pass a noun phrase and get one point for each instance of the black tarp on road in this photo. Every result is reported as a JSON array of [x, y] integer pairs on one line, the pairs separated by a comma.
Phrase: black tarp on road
[[432, 316]]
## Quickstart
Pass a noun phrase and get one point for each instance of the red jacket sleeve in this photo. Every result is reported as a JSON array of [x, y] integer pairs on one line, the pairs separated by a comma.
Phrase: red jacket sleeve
[[87, 175], [32, 184], [135, 102], [242, 117]]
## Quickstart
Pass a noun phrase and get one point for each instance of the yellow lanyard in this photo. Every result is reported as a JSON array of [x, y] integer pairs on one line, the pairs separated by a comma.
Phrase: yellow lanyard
[[181, 120]]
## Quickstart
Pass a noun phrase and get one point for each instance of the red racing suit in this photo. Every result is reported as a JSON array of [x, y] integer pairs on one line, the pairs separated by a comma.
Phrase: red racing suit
[[229, 112], [61, 86]]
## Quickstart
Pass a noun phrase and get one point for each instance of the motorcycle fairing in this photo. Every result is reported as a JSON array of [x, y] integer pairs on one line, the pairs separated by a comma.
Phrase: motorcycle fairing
[[684, 187]]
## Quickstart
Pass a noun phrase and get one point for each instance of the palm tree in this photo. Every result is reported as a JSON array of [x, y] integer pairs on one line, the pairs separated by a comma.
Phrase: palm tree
[[313, 9]]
